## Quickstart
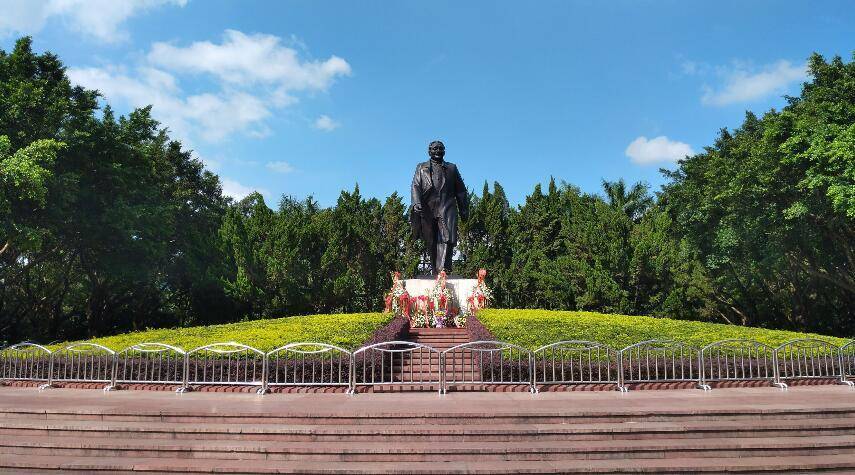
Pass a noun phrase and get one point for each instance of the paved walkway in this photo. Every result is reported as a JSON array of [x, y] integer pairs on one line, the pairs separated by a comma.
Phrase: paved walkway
[[805, 429], [729, 400]]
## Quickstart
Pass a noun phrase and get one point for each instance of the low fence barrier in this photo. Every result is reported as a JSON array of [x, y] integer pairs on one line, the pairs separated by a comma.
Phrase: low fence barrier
[[396, 363], [575, 362], [417, 366], [308, 364], [738, 360], [658, 361], [809, 358], [227, 363], [487, 363]]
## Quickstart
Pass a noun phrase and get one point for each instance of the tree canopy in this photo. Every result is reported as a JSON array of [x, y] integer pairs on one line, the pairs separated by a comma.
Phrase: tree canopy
[[108, 225]]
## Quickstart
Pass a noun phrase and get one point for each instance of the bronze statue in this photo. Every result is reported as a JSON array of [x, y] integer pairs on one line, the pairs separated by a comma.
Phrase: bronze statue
[[438, 193]]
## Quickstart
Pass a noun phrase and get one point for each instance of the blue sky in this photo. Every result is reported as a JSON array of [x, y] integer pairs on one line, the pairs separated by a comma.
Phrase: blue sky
[[310, 97]]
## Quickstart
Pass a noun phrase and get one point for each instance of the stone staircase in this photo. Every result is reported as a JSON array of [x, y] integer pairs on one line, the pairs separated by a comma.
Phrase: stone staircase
[[424, 366], [483, 435]]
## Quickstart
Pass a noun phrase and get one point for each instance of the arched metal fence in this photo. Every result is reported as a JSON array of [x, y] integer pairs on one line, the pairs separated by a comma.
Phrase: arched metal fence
[[229, 363], [487, 363], [396, 363], [26, 362], [412, 365], [154, 363], [738, 360], [575, 362], [809, 358], [308, 364], [847, 356], [84, 363], [659, 361]]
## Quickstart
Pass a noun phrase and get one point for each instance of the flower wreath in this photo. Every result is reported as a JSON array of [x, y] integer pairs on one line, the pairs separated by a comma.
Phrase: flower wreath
[[398, 299], [480, 298]]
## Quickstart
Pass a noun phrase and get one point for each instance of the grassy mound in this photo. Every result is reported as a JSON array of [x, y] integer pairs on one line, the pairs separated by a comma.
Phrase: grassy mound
[[528, 328], [534, 328], [345, 330]]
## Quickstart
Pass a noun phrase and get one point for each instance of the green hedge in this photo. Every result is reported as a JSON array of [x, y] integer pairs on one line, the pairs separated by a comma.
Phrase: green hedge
[[346, 330], [534, 328]]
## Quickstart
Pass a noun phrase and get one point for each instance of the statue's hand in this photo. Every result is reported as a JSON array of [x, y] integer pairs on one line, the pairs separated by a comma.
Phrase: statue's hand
[[417, 208]]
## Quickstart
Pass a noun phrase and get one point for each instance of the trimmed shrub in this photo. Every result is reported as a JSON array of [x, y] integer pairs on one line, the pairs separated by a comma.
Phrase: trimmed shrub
[[534, 328], [345, 330]]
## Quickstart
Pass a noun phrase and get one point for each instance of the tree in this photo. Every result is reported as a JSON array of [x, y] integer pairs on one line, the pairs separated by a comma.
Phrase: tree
[[634, 203], [768, 209]]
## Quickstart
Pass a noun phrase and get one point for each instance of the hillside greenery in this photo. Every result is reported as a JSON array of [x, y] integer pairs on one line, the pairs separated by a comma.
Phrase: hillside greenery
[[108, 225], [527, 328], [535, 328], [348, 331]]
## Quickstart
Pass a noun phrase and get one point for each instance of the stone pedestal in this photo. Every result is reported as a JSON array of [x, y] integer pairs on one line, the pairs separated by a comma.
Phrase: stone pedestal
[[461, 288]]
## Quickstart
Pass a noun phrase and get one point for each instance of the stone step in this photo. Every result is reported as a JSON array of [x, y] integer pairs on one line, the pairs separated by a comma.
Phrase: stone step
[[437, 416], [43, 464], [410, 451], [426, 432]]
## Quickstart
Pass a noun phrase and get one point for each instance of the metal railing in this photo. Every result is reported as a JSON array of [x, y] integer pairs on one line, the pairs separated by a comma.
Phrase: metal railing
[[738, 360], [154, 363], [229, 363], [418, 366], [396, 363], [809, 358], [487, 363], [575, 362], [84, 363], [26, 362], [659, 361], [847, 357], [308, 364]]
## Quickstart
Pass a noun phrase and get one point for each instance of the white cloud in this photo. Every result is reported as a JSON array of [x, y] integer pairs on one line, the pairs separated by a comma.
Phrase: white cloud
[[238, 191], [744, 84], [256, 58], [280, 167], [101, 19], [660, 149], [252, 75], [326, 124], [209, 116]]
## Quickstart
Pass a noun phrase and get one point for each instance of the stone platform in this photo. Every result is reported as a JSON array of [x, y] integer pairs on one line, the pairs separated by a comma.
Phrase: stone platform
[[460, 287], [805, 429]]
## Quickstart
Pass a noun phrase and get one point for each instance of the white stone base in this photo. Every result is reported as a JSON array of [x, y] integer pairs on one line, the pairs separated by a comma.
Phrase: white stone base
[[461, 288]]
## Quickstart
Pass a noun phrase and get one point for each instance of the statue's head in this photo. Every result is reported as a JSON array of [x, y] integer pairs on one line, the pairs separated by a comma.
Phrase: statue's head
[[436, 150]]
